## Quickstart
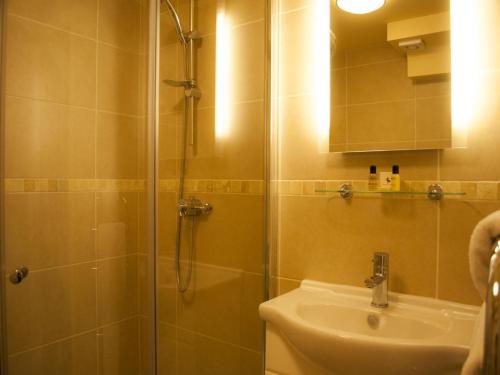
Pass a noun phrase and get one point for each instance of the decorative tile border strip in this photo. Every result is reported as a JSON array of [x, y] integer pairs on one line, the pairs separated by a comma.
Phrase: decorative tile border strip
[[218, 186], [474, 190], [44, 185]]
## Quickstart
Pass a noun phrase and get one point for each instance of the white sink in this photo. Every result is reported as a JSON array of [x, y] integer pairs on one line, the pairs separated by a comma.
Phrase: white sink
[[335, 327]]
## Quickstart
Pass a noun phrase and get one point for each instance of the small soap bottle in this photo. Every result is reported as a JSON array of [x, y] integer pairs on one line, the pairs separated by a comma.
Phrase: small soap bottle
[[373, 178], [395, 180]]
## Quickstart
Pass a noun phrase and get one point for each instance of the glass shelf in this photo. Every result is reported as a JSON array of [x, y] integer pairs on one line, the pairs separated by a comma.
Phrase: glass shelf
[[434, 192]]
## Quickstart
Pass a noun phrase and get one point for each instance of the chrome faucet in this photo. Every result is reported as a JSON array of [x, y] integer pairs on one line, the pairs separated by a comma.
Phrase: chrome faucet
[[379, 281]]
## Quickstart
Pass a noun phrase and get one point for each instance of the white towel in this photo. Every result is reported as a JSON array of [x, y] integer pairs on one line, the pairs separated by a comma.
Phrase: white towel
[[480, 251], [474, 363]]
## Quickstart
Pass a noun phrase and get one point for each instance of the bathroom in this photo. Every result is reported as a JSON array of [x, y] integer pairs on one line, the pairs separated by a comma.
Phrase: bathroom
[[171, 168]]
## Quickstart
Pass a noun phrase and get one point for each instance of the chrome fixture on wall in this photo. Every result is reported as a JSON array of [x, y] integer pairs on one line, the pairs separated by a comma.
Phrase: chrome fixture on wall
[[191, 207], [18, 275], [434, 192], [379, 281]]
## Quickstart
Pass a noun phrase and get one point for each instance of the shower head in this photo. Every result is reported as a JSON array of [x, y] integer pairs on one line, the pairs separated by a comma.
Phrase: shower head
[[177, 22]]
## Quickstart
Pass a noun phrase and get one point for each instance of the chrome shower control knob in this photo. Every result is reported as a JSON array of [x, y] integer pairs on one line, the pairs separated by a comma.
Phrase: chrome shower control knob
[[193, 207], [18, 275]]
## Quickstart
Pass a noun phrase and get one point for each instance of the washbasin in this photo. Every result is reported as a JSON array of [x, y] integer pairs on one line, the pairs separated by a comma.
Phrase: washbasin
[[390, 324], [336, 328]]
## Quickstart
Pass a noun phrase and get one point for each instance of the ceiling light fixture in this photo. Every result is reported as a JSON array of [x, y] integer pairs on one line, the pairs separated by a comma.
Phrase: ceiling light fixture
[[360, 6]]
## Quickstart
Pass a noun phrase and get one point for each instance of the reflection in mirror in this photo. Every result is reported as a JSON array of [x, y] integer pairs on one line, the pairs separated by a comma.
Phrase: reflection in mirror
[[390, 77]]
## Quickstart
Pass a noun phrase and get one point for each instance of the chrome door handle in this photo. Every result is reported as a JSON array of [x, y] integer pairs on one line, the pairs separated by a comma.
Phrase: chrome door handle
[[18, 275]]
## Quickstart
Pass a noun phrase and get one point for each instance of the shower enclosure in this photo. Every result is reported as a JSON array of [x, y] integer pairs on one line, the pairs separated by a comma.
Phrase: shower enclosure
[[134, 190]]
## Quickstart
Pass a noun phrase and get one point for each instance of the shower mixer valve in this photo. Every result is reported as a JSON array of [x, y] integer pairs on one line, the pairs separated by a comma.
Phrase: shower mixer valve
[[193, 207]]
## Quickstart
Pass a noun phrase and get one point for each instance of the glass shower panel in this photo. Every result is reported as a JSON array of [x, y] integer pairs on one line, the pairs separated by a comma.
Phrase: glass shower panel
[[213, 327], [74, 175]]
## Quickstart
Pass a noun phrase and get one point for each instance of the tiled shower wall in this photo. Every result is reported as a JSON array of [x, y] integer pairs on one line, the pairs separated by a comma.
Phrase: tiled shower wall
[[74, 122], [214, 328], [323, 237]]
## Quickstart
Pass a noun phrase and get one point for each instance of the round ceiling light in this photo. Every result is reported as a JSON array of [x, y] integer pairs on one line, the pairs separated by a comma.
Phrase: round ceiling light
[[360, 6]]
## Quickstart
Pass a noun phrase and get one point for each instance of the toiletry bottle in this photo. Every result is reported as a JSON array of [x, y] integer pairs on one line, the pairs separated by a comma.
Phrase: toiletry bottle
[[373, 178], [395, 181]]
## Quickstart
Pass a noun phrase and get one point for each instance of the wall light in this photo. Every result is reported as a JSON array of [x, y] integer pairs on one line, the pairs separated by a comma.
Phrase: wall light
[[360, 6], [321, 50], [466, 47], [222, 73]]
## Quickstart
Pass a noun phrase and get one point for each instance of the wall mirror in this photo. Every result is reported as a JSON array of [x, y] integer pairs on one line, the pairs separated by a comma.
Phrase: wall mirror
[[390, 75]]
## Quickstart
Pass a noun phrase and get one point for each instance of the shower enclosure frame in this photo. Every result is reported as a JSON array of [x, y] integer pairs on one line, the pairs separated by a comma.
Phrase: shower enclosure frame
[[3, 323], [152, 168]]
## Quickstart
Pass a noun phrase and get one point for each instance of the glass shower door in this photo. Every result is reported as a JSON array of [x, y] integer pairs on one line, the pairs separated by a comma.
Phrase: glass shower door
[[211, 327], [74, 218]]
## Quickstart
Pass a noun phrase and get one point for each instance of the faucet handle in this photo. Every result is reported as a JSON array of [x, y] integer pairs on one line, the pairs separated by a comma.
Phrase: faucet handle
[[373, 281]]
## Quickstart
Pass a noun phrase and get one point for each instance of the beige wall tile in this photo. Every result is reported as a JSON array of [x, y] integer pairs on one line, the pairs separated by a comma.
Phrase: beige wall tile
[[119, 348], [229, 239], [117, 289], [333, 240], [487, 191], [242, 11], [424, 89], [117, 143], [118, 81], [167, 220], [433, 118], [287, 285], [433, 144], [470, 189], [43, 308], [142, 148], [339, 59], [394, 145], [202, 355], [458, 220], [288, 5], [375, 53], [338, 87], [248, 61], [145, 220], [296, 35], [48, 140], [381, 122], [239, 154], [206, 11], [224, 305], [41, 228], [167, 349], [171, 99], [379, 82], [205, 70], [45, 63], [170, 138], [168, 33], [144, 346], [75, 16], [167, 291], [120, 23], [77, 356], [117, 219], [143, 285]]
